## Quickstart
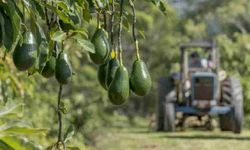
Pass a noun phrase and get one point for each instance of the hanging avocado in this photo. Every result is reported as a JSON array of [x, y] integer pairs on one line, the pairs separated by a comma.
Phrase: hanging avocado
[[101, 74], [102, 48], [25, 54], [63, 69], [119, 88], [49, 68], [113, 64], [140, 80]]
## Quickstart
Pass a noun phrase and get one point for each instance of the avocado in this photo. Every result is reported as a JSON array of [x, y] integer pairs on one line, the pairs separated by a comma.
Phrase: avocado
[[63, 69], [118, 91], [102, 48], [140, 80], [24, 55], [101, 74], [113, 64], [49, 68]]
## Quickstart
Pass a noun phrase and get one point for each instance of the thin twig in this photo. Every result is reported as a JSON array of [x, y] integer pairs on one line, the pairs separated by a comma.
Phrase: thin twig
[[120, 33], [105, 20], [112, 24], [98, 20], [47, 15], [53, 18], [59, 113], [133, 29], [23, 19]]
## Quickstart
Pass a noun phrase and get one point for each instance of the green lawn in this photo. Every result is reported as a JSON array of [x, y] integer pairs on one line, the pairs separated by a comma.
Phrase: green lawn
[[129, 138]]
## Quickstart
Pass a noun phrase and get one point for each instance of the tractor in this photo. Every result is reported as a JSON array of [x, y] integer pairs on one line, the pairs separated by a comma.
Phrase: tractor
[[199, 89]]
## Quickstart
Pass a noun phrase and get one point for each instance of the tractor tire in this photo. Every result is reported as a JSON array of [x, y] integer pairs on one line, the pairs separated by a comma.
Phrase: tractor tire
[[164, 87], [169, 119], [232, 96]]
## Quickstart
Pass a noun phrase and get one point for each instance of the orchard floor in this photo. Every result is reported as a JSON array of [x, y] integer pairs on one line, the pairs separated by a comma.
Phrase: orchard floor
[[140, 138]]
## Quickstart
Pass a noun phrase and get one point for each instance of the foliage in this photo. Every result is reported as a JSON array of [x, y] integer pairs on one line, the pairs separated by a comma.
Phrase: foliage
[[86, 104], [58, 26], [12, 129]]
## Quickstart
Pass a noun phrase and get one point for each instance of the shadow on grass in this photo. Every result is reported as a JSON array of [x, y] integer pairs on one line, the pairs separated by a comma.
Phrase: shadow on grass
[[206, 137]]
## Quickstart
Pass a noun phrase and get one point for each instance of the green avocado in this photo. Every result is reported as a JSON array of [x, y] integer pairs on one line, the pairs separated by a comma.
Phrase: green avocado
[[101, 74], [118, 91], [113, 64], [102, 48], [140, 80], [63, 69], [49, 68], [24, 55]]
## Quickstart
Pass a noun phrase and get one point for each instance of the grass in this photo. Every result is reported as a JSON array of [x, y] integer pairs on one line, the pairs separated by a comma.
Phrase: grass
[[140, 138]]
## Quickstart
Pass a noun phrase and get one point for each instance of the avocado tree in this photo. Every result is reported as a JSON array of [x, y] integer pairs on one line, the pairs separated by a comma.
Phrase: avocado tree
[[36, 33]]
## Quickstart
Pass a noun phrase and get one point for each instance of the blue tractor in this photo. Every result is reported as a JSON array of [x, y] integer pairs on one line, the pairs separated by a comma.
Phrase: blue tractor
[[199, 89]]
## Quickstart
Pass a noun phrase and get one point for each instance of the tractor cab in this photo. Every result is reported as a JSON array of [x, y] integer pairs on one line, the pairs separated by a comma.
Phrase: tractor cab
[[199, 65]]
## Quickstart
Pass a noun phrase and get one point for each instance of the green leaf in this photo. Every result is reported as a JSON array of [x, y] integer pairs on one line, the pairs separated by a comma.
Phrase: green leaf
[[142, 34], [86, 45], [64, 17], [19, 143], [37, 8], [8, 38], [86, 13], [161, 5], [82, 32], [62, 14], [40, 35], [15, 22], [5, 146], [37, 30], [12, 24], [63, 108], [80, 2], [43, 56], [21, 130], [69, 134], [12, 111], [58, 36], [63, 6], [91, 6], [20, 14]]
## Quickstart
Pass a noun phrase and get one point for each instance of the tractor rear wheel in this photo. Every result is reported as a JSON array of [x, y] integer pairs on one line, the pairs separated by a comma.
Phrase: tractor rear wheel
[[164, 88], [232, 96]]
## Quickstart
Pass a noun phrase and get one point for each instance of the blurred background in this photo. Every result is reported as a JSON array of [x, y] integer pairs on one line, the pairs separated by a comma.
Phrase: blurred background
[[101, 126]]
